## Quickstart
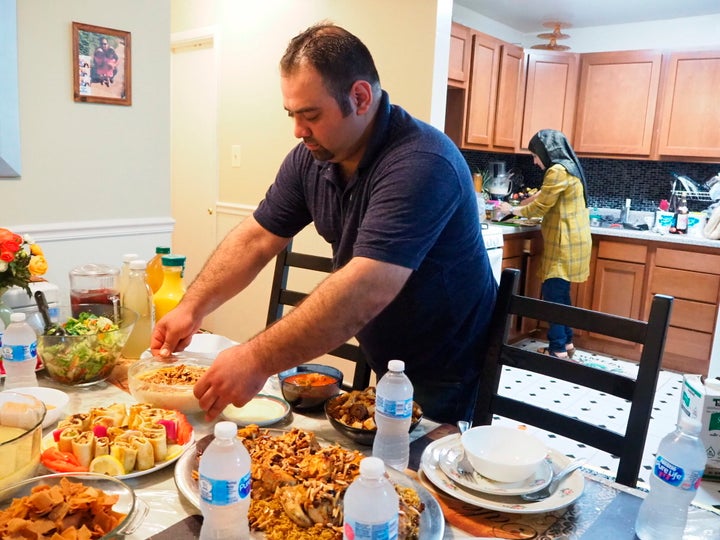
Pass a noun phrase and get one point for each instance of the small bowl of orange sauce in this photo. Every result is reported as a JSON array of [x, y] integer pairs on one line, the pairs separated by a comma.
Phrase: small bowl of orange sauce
[[308, 386]]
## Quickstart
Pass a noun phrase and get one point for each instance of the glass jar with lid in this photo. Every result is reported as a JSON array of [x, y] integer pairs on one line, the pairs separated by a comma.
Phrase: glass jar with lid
[[94, 284]]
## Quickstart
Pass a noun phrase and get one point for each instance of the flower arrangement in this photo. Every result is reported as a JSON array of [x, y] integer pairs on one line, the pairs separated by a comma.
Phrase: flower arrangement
[[21, 261]]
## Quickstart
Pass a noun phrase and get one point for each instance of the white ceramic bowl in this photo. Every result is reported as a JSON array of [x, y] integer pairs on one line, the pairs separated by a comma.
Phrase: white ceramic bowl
[[55, 402], [501, 453]]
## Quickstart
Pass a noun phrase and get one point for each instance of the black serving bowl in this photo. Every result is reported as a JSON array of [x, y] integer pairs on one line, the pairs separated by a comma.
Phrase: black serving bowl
[[308, 386], [364, 436]]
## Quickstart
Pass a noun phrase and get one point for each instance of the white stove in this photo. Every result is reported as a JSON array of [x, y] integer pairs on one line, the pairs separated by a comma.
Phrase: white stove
[[493, 238]]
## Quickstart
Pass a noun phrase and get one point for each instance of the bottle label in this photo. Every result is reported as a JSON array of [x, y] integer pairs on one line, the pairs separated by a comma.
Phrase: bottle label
[[224, 492], [19, 353], [392, 408], [675, 475], [357, 530]]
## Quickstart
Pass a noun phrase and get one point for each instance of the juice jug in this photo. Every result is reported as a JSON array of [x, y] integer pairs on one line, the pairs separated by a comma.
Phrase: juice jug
[[173, 288], [94, 284], [155, 269]]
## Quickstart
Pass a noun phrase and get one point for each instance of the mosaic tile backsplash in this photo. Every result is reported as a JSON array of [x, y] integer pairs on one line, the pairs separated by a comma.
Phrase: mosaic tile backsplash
[[611, 181]]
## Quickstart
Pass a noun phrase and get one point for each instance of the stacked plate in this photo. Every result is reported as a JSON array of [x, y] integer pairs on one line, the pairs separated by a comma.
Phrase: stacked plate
[[439, 464]]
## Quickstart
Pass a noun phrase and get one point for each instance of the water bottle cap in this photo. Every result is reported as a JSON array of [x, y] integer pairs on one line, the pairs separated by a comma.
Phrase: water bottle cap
[[138, 264], [17, 316], [693, 426], [130, 257], [225, 430], [396, 365], [162, 249], [372, 467]]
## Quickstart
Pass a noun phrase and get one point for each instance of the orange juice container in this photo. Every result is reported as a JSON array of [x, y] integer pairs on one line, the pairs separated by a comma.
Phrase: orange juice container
[[173, 288], [154, 269]]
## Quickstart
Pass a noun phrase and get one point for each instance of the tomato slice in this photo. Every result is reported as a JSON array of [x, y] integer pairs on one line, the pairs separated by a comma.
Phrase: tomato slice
[[59, 461]]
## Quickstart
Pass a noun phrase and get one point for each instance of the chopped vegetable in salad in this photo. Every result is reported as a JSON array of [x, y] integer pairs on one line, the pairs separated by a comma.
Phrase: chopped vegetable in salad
[[88, 323], [87, 352]]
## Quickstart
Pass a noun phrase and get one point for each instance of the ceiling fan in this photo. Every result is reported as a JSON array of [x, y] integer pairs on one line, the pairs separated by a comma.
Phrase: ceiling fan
[[553, 36]]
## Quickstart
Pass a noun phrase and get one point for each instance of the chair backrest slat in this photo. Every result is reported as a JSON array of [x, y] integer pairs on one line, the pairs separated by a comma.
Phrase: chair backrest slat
[[281, 296], [638, 391]]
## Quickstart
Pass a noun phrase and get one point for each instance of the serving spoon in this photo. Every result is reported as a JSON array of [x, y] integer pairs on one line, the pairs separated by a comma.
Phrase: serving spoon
[[51, 329]]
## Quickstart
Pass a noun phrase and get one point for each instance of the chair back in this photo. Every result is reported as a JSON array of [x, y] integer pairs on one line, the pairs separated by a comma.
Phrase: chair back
[[281, 297], [639, 392]]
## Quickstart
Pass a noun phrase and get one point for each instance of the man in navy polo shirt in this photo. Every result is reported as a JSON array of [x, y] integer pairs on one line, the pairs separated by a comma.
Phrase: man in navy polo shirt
[[394, 198]]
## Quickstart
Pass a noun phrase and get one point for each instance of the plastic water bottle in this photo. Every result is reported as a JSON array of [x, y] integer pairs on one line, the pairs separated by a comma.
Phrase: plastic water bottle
[[393, 415], [225, 486], [371, 505], [674, 481], [19, 353]]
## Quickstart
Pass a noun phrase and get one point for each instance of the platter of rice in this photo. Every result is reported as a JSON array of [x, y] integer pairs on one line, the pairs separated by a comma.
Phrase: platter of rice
[[293, 465]]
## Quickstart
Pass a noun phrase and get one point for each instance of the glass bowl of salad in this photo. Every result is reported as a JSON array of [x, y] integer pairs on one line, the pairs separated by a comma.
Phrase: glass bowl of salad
[[91, 344]]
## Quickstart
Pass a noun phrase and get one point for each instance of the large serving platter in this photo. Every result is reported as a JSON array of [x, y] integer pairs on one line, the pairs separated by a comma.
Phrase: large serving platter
[[174, 453], [569, 491], [432, 521]]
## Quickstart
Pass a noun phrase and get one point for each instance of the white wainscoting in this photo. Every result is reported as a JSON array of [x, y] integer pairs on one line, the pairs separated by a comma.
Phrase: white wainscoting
[[70, 244]]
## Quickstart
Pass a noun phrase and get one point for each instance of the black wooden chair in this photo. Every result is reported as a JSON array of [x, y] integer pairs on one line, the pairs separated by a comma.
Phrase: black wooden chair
[[640, 392], [281, 296]]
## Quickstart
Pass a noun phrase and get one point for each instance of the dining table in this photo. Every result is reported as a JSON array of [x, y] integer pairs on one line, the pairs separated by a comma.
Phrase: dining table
[[603, 510]]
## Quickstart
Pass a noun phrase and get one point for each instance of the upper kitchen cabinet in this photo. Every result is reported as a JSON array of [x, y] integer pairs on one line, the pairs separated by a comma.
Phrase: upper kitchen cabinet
[[690, 108], [550, 94], [493, 96], [459, 66], [617, 100]]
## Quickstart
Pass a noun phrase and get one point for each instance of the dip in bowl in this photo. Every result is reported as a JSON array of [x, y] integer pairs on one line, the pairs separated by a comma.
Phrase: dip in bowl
[[307, 386], [168, 382]]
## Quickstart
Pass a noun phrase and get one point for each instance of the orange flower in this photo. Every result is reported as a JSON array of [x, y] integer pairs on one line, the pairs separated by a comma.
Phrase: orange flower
[[38, 265]]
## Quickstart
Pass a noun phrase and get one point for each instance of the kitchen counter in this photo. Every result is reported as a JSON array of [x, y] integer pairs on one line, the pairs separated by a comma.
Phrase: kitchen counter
[[620, 232]]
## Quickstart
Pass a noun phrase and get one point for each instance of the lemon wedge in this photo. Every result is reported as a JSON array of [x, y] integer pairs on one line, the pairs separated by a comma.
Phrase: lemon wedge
[[107, 464]]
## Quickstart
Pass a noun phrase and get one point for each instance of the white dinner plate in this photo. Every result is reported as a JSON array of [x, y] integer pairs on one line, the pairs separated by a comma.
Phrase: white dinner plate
[[432, 521], [452, 454], [55, 401], [569, 491]]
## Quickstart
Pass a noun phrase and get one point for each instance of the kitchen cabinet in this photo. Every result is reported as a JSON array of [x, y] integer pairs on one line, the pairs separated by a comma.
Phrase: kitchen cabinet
[[617, 100], [693, 279], [486, 114], [522, 250], [459, 66], [690, 109], [550, 94]]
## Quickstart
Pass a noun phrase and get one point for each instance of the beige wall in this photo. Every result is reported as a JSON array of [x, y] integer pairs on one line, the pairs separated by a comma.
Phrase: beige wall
[[85, 161]]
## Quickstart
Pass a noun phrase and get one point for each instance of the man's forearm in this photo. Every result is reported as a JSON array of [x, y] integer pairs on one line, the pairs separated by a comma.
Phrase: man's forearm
[[234, 264], [333, 313]]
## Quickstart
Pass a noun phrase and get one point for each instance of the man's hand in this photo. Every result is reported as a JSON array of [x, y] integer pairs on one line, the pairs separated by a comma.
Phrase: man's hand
[[174, 331], [233, 378]]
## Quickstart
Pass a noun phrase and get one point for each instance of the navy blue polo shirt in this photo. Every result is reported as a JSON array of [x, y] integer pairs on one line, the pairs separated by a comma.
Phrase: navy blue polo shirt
[[411, 203]]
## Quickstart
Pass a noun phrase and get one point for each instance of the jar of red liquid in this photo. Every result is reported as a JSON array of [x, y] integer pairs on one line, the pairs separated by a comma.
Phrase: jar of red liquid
[[94, 284]]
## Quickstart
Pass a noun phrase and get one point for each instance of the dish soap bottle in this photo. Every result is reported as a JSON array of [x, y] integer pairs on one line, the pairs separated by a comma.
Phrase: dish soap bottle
[[173, 288]]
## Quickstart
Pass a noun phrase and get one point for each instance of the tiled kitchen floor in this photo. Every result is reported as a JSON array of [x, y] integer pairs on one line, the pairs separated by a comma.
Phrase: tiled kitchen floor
[[601, 409]]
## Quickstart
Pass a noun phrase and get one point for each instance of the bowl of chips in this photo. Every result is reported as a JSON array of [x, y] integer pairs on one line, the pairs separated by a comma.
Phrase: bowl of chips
[[102, 504], [353, 415]]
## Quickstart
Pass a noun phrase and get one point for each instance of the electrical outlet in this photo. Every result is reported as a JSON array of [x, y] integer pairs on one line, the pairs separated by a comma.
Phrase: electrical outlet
[[235, 155]]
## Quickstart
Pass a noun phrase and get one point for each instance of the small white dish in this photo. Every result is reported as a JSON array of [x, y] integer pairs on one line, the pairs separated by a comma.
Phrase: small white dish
[[450, 459], [263, 410], [55, 401]]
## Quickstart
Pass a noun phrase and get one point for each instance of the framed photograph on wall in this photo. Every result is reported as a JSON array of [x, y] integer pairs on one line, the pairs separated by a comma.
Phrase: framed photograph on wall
[[101, 65]]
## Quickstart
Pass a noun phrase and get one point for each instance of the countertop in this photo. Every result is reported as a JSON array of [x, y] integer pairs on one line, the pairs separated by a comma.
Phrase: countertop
[[620, 232]]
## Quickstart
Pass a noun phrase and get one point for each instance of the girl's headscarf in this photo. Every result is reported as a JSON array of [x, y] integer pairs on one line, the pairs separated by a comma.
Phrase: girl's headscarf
[[551, 147]]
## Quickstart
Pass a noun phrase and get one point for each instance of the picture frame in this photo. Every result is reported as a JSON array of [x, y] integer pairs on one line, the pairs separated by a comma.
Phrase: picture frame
[[102, 67]]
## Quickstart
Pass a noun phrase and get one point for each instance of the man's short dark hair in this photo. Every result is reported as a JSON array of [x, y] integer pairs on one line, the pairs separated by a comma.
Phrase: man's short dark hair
[[339, 57]]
